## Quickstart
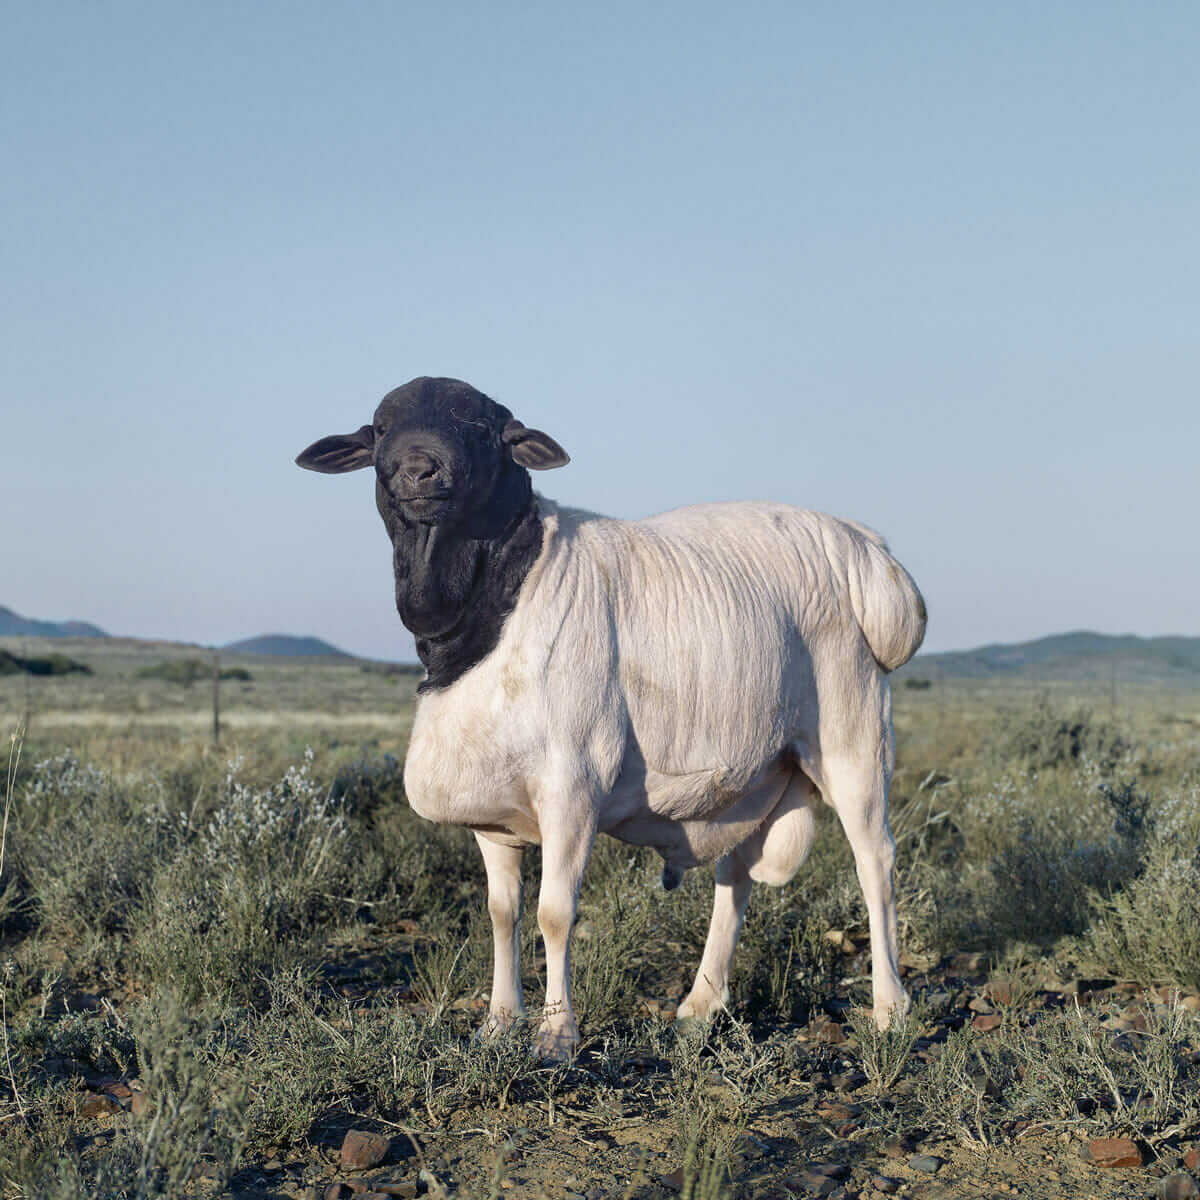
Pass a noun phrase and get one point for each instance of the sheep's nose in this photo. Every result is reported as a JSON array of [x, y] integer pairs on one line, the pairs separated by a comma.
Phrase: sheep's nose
[[418, 466]]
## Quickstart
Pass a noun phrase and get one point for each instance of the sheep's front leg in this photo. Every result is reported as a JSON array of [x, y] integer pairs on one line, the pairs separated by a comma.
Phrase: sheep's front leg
[[503, 866], [710, 992], [566, 844]]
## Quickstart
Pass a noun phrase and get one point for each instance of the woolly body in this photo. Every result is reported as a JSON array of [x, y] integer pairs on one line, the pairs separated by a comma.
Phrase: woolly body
[[680, 669]]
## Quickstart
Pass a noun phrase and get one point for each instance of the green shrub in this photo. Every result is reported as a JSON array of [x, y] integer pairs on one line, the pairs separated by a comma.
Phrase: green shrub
[[50, 664], [1149, 930], [186, 671], [1042, 737]]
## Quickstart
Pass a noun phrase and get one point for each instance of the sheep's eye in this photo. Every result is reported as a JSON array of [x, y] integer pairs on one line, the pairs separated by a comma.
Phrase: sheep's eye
[[380, 428]]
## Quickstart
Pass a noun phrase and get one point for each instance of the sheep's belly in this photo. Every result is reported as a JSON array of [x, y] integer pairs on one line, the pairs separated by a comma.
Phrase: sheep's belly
[[686, 822]]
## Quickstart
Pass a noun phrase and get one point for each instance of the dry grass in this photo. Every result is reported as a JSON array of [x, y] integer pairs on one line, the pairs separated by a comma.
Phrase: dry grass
[[279, 949]]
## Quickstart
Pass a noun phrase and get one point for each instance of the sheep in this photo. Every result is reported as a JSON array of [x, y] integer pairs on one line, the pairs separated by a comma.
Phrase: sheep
[[692, 682]]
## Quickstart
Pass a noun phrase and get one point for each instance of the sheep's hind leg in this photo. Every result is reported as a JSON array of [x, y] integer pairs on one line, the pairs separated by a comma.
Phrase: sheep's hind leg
[[710, 992], [503, 866], [858, 791], [771, 855]]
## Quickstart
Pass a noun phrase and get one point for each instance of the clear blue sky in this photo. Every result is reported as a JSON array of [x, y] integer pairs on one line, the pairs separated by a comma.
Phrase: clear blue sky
[[932, 266]]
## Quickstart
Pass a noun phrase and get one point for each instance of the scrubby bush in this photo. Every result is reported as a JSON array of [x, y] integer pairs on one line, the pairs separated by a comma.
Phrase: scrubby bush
[[49, 664], [186, 671], [1042, 736], [1150, 929], [244, 887]]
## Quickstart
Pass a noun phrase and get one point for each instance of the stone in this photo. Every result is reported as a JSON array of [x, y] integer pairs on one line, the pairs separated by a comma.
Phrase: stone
[[849, 1081], [1113, 1152], [838, 1112], [885, 1184], [1000, 991], [896, 1147], [403, 1189], [139, 1104], [273, 1164], [829, 1170], [1191, 1159], [1179, 1186], [362, 1149], [828, 1031], [813, 1182], [673, 1180], [93, 1105], [930, 1164], [986, 1022], [117, 1089]]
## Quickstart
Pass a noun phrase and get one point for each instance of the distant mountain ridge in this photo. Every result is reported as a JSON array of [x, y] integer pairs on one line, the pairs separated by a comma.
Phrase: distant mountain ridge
[[14, 625], [287, 645], [1078, 656]]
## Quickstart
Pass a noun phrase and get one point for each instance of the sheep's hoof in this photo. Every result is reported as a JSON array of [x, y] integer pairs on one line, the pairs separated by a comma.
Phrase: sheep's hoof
[[672, 877], [497, 1023], [556, 1046], [686, 1027]]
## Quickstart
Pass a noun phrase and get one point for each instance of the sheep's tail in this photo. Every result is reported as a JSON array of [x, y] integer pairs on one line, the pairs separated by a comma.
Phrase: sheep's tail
[[887, 604]]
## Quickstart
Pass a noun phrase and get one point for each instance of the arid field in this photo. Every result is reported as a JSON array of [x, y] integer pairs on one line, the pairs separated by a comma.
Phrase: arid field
[[220, 959]]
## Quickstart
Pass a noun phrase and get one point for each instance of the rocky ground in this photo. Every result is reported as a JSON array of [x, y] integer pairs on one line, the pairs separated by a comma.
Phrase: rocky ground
[[252, 972]]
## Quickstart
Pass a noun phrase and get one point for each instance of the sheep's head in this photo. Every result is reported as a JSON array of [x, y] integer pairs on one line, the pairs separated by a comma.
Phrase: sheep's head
[[442, 451]]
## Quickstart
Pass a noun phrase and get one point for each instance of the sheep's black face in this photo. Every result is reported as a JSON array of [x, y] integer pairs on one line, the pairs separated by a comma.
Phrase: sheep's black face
[[442, 452], [452, 487]]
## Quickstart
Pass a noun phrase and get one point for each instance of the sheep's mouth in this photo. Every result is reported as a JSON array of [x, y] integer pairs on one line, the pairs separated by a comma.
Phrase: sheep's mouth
[[414, 497], [425, 506]]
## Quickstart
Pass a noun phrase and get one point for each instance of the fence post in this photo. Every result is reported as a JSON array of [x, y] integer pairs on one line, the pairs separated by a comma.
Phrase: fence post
[[216, 680]]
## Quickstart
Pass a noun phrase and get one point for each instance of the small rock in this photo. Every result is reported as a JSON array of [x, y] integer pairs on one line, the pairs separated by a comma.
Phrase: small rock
[[986, 1022], [838, 1112], [1191, 1159], [928, 1163], [828, 1031], [1000, 991], [849, 1081], [885, 1183], [1179, 1186], [674, 1180], [117, 1090], [273, 1164], [829, 1170], [814, 1182], [404, 1189], [1113, 1152], [1191, 1003], [362, 1149], [981, 1004], [896, 1147], [139, 1104], [335, 1191], [95, 1104]]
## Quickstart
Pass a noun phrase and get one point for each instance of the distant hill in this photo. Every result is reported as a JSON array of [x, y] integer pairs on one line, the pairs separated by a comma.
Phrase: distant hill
[[287, 645], [1080, 656], [14, 625]]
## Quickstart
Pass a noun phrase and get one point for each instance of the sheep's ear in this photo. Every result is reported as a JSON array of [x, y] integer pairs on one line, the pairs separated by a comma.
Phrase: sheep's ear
[[342, 452], [532, 448]]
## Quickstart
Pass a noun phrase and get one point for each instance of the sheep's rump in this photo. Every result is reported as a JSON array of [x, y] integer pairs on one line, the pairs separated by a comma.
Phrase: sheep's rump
[[729, 625]]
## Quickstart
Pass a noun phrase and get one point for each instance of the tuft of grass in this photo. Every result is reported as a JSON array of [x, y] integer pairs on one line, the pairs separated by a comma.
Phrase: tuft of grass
[[885, 1054]]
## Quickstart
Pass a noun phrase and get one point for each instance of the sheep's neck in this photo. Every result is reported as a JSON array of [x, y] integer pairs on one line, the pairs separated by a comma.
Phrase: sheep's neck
[[454, 591]]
